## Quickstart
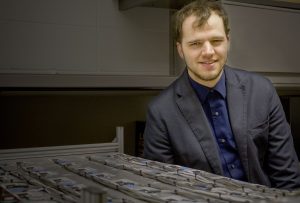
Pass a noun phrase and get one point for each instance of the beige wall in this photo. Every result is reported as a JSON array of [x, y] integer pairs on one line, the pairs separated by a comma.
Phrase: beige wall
[[36, 119]]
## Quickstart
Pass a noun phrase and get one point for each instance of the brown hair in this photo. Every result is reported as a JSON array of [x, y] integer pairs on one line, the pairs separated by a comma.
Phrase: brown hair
[[202, 9]]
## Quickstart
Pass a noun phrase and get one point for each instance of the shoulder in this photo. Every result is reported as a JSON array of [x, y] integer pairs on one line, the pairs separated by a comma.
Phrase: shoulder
[[247, 79], [164, 98], [167, 97]]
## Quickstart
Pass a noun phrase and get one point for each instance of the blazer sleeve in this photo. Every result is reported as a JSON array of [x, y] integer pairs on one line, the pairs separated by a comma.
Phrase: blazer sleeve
[[282, 162], [156, 140]]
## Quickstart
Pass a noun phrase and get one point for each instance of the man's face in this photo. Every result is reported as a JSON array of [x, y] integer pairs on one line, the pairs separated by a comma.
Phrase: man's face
[[204, 49]]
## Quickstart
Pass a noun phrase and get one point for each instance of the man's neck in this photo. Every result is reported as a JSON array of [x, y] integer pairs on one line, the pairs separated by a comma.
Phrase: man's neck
[[207, 83]]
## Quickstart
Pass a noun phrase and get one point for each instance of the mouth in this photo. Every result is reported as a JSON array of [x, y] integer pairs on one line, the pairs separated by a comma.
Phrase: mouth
[[208, 62], [208, 65]]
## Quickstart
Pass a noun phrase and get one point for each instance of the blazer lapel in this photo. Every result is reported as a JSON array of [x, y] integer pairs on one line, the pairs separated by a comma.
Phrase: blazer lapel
[[237, 107], [194, 114]]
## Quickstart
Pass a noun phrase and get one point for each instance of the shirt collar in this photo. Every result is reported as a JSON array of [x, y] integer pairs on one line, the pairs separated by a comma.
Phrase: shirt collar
[[202, 91]]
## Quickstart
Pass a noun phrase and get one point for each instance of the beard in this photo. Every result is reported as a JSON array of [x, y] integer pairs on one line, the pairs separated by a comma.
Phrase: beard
[[209, 76], [205, 76]]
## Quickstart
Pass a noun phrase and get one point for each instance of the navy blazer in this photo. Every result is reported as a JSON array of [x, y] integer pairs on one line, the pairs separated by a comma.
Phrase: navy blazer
[[178, 132]]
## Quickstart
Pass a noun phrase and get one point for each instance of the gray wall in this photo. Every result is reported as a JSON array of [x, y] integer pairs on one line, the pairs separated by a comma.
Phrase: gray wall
[[82, 37], [93, 37], [264, 39]]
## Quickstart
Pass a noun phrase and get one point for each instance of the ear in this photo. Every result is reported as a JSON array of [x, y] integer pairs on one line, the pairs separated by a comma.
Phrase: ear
[[179, 49], [228, 39]]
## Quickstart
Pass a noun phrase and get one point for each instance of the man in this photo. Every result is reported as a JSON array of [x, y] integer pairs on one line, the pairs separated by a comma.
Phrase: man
[[219, 119]]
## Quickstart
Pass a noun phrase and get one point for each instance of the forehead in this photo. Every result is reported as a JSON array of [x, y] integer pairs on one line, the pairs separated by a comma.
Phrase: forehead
[[213, 24]]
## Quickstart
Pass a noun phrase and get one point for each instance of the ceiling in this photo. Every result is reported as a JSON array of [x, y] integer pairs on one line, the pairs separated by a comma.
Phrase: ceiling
[[291, 4], [176, 4]]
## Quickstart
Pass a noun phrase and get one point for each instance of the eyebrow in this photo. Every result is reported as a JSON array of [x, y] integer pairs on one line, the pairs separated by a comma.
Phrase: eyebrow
[[200, 40], [218, 37], [193, 41]]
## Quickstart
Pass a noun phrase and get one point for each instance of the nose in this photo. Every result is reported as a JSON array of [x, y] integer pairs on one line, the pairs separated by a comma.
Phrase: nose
[[208, 49]]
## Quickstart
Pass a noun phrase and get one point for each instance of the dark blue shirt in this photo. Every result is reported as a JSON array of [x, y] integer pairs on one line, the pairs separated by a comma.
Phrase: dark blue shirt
[[214, 103]]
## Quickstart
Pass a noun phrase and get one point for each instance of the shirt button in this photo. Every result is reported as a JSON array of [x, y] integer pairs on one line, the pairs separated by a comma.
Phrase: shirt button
[[222, 140], [216, 113], [232, 166]]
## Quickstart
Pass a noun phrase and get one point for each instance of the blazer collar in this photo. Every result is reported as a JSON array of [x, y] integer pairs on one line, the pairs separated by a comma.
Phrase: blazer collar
[[202, 91], [194, 114], [237, 107]]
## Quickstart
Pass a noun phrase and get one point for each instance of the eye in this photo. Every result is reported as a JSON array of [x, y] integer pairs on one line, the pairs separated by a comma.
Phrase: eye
[[196, 44], [216, 42]]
